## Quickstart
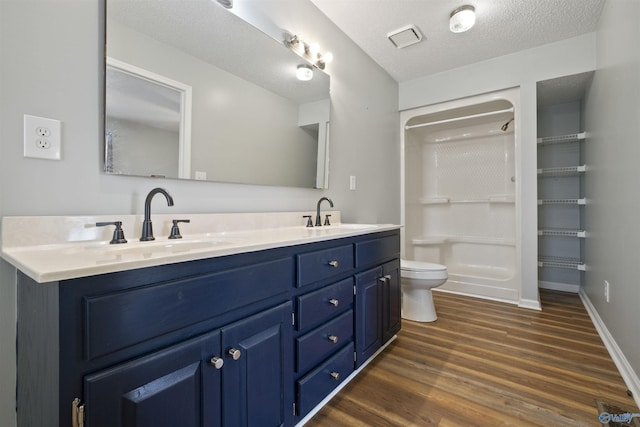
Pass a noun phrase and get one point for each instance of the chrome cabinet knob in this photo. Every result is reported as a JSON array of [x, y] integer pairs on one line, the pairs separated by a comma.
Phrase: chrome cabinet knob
[[234, 353], [333, 338], [216, 362], [335, 375], [333, 302], [334, 263]]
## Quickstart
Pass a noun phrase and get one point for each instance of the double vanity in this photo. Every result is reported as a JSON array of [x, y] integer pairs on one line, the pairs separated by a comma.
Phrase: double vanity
[[248, 320]]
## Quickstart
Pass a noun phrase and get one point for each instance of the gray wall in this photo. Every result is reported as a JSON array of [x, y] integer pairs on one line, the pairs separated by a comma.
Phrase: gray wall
[[612, 151], [51, 66]]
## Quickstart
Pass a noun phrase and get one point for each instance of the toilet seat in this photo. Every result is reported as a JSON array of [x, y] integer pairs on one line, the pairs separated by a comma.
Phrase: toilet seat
[[422, 270]]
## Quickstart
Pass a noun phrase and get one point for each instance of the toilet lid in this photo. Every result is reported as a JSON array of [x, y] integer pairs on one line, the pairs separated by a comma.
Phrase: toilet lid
[[406, 264]]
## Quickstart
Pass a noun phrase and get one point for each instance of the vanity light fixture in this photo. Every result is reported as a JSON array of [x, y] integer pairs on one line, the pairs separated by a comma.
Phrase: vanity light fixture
[[304, 72], [462, 19], [310, 52]]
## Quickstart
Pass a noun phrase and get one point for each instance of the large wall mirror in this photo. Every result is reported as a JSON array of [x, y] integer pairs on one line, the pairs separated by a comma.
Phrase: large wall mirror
[[195, 92]]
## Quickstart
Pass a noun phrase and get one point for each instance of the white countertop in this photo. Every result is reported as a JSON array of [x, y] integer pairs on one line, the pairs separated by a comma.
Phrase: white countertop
[[57, 248]]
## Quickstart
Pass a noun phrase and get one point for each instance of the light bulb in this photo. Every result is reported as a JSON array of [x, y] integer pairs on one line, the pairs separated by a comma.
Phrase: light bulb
[[314, 49]]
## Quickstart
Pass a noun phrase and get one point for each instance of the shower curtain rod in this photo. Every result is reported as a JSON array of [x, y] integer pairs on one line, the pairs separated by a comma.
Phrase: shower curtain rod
[[472, 116]]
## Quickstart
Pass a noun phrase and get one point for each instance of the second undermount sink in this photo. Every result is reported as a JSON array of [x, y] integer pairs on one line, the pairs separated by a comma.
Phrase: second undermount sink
[[354, 226], [161, 247]]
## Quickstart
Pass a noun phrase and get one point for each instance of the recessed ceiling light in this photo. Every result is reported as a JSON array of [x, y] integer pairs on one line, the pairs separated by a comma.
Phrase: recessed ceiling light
[[405, 36]]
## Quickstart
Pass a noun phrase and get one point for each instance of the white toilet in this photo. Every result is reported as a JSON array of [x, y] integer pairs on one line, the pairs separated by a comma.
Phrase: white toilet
[[417, 280]]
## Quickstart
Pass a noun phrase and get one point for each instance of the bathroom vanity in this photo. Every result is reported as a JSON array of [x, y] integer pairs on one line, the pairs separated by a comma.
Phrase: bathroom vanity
[[237, 334]]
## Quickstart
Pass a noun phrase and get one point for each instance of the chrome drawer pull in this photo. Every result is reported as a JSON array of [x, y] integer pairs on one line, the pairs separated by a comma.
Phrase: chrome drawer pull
[[333, 338], [385, 278], [216, 362], [234, 353], [334, 263], [335, 375], [333, 302]]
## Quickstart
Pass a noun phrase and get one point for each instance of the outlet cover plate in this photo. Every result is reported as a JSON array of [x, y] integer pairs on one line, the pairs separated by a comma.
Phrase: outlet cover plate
[[41, 138]]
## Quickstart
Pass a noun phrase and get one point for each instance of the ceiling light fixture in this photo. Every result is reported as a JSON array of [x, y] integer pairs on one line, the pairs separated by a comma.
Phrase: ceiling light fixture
[[304, 72], [310, 52], [227, 4], [462, 19]]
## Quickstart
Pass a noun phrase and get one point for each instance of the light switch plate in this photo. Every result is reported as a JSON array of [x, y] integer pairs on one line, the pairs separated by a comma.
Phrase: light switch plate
[[42, 137]]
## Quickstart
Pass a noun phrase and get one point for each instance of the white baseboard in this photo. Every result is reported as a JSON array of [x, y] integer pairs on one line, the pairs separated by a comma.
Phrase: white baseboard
[[531, 304], [556, 286], [626, 371]]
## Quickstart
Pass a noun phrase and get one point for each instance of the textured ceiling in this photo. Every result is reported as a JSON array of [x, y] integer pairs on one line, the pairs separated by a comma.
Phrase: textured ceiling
[[502, 27]]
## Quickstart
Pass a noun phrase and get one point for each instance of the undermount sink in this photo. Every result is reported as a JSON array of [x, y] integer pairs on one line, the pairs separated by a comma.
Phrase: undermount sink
[[354, 226], [150, 248]]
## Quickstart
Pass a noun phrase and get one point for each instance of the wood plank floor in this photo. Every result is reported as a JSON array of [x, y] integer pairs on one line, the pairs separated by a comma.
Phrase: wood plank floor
[[485, 363]]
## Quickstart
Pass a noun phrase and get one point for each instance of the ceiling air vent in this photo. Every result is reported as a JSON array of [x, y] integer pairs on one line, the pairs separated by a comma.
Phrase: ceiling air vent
[[405, 36]]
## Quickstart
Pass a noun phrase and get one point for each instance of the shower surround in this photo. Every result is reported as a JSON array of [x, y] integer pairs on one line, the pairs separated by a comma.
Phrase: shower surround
[[459, 193]]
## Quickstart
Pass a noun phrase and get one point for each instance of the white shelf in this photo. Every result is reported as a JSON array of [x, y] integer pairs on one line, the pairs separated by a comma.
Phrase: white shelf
[[561, 262], [562, 171], [492, 198], [562, 139], [438, 240], [582, 201], [560, 232], [434, 200]]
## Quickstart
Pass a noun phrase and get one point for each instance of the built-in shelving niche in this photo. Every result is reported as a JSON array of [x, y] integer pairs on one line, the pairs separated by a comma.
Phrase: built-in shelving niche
[[562, 167], [560, 185]]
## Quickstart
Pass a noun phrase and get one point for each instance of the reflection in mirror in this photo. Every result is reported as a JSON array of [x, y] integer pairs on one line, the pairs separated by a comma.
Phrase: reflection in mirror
[[147, 123], [248, 119]]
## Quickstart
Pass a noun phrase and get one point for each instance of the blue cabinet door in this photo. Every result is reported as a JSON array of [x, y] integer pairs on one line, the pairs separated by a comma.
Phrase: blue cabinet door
[[177, 386], [368, 323], [258, 370], [391, 300]]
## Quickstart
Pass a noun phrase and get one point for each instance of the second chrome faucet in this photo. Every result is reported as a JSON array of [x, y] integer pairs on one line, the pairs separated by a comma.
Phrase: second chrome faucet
[[147, 227]]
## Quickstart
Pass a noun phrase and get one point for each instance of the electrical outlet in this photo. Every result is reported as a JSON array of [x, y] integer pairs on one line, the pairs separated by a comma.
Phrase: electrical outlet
[[607, 291], [352, 182], [41, 137]]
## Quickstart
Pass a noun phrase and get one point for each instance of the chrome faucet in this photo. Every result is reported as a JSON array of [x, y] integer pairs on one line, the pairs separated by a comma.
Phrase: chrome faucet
[[147, 229], [318, 220]]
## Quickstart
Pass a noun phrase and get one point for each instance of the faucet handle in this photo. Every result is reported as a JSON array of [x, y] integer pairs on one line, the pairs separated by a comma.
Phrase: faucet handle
[[118, 233], [309, 222], [175, 231], [326, 219]]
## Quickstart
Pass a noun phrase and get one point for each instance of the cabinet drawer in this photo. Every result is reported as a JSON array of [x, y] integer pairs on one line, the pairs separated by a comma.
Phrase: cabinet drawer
[[324, 340], [318, 265], [115, 321], [315, 386], [372, 251], [318, 306]]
